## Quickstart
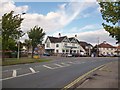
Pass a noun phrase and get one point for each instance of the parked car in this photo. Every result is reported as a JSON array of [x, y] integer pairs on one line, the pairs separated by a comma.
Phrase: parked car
[[75, 54], [69, 55], [46, 54]]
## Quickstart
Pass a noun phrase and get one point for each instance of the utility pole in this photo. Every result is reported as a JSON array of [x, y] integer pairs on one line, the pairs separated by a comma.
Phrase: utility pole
[[98, 47], [18, 54]]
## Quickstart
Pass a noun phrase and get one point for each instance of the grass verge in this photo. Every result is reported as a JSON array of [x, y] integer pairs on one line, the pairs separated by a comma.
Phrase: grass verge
[[14, 61]]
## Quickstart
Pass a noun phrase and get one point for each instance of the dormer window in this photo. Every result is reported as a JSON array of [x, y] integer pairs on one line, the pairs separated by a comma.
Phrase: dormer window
[[65, 44], [57, 45], [73, 44], [48, 45]]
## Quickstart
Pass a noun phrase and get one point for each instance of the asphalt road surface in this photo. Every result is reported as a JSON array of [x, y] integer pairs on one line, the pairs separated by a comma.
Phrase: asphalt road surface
[[54, 74]]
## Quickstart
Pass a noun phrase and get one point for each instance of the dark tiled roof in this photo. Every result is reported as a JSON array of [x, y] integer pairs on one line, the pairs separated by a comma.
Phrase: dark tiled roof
[[84, 44], [73, 38], [56, 39], [105, 45], [118, 47]]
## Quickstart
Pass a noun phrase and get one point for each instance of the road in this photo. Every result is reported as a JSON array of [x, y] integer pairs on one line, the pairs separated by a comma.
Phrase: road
[[54, 74]]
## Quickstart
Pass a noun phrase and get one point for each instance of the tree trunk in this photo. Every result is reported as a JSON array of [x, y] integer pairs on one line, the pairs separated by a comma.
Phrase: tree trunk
[[32, 51]]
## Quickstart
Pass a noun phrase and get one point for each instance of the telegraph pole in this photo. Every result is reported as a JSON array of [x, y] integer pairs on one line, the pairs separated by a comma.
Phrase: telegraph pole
[[98, 47]]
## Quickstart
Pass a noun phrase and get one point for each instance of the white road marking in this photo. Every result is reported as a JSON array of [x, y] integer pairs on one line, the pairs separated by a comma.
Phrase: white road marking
[[32, 70], [18, 76], [48, 67], [71, 62], [58, 65], [65, 64], [14, 73]]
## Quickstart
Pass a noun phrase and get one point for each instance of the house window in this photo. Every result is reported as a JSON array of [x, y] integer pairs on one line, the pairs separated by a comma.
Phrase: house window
[[57, 51], [73, 44], [65, 44], [57, 45], [74, 51], [67, 51], [48, 44], [63, 51]]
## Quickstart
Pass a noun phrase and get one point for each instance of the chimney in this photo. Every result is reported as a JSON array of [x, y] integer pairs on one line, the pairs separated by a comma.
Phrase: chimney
[[59, 35], [104, 42], [75, 36]]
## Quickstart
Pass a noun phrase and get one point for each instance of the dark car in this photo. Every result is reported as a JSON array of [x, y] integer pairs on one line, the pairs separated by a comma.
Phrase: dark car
[[76, 55], [46, 54]]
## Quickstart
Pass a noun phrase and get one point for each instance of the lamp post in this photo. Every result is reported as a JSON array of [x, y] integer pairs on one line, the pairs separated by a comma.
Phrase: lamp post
[[18, 54]]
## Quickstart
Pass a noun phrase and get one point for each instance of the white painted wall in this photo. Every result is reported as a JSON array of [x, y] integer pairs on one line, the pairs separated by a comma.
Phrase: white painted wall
[[62, 46], [106, 51]]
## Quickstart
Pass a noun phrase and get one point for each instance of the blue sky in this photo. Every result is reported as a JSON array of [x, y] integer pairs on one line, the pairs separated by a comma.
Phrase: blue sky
[[67, 18]]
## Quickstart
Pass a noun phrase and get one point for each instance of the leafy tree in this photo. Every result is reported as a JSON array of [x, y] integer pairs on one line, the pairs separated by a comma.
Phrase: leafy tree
[[10, 29], [12, 44], [36, 35], [111, 14]]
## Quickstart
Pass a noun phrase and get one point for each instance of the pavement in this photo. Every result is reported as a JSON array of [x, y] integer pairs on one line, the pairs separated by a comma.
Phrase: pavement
[[106, 77], [54, 74]]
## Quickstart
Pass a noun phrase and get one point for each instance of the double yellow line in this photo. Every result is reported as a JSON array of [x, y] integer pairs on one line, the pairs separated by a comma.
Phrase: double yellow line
[[81, 77]]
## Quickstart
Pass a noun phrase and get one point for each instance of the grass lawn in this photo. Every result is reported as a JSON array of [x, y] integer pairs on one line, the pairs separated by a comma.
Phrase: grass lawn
[[13, 61]]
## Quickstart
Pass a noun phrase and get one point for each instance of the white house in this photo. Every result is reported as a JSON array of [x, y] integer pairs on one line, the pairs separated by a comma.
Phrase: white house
[[61, 45], [106, 49]]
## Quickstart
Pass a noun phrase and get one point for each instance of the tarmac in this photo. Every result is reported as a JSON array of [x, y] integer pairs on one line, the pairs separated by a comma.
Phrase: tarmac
[[106, 77]]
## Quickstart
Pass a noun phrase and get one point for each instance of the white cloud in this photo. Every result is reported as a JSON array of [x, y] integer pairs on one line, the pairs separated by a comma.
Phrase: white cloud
[[8, 6], [87, 34], [92, 36], [52, 21]]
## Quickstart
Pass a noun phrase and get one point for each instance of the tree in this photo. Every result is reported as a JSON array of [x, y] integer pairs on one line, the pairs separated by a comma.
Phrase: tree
[[10, 29], [111, 14], [27, 43], [12, 45], [36, 35]]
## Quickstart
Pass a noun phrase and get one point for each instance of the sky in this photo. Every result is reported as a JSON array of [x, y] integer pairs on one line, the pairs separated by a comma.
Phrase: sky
[[68, 18]]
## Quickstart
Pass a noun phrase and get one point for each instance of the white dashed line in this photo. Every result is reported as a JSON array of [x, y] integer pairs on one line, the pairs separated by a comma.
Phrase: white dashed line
[[32, 70], [14, 73], [18, 76], [71, 62], [58, 65], [65, 64], [48, 67]]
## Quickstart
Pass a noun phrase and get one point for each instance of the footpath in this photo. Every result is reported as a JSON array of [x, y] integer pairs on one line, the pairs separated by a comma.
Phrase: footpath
[[106, 77]]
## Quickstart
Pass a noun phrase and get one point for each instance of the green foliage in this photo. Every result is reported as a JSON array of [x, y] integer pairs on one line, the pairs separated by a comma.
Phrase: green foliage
[[12, 44], [111, 14], [10, 29], [27, 43], [36, 35]]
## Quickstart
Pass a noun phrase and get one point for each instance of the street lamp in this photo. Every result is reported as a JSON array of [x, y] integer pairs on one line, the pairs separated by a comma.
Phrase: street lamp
[[18, 54]]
